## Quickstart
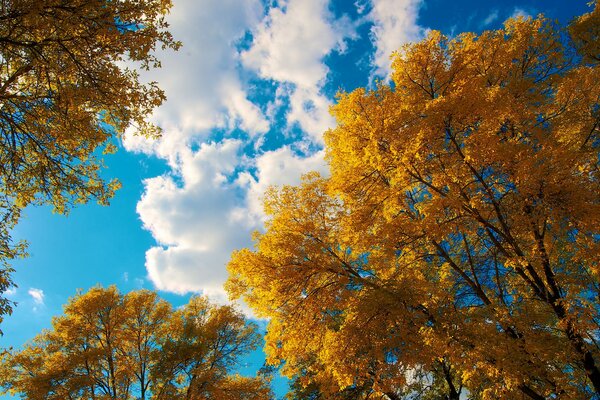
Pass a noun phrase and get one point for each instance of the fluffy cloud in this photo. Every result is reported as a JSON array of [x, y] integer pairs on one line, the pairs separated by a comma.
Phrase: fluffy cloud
[[310, 110], [244, 113], [172, 211], [205, 212], [181, 270], [189, 219], [291, 41], [394, 24], [37, 295], [274, 168], [289, 46], [201, 81]]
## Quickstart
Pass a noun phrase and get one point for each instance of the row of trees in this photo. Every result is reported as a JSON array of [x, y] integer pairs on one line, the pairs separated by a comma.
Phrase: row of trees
[[455, 249], [135, 346]]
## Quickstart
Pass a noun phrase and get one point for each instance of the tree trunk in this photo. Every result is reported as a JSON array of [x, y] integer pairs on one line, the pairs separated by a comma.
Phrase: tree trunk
[[589, 364], [453, 394]]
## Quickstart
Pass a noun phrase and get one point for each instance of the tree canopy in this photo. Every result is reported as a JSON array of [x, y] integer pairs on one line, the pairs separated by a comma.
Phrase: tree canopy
[[65, 93], [456, 245], [135, 346]]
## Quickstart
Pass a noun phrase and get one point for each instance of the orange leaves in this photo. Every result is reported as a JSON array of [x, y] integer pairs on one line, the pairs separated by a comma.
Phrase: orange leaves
[[585, 32]]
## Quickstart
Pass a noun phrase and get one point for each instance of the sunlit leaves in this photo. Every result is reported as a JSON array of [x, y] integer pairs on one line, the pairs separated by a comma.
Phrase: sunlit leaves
[[455, 244], [114, 346], [66, 93]]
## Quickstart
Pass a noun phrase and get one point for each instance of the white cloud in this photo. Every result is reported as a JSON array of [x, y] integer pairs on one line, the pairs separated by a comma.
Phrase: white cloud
[[394, 24], [289, 47], [244, 113], [10, 292], [491, 18], [189, 220], [37, 295], [204, 213], [201, 81], [190, 215], [182, 270], [279, 167], [292, 40], [310, 110]]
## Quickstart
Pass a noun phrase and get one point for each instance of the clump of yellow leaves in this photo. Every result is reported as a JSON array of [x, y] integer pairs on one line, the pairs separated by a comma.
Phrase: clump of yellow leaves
[[455, 247]]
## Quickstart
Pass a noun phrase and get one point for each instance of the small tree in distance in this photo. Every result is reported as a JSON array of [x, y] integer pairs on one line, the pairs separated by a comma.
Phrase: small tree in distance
[[135, 346]]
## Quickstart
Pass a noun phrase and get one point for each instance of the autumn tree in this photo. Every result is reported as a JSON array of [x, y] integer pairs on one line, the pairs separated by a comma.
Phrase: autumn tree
[[459, 233], [65, 93], [201, 348], [113, 346]]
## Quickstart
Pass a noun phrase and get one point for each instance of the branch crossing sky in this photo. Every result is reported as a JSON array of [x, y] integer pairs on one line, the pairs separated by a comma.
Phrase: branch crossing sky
[[248, 97]]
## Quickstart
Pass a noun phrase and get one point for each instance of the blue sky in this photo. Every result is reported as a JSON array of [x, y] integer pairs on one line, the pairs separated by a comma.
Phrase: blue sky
[[248, 97]]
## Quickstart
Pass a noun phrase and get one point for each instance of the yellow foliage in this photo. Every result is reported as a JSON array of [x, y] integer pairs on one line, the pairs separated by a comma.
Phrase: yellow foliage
[[458, 233], [113, 346], [66, 97], [65, 93]]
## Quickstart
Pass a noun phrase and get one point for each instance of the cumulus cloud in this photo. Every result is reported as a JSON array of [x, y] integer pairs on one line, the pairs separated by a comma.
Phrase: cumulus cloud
[[289, 46], [201, 82], [274, 168], [291, 41], [244, 113], [310, 110], [204, 213], [394, 24], [189, 220], [37, 295], [172, 212]]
